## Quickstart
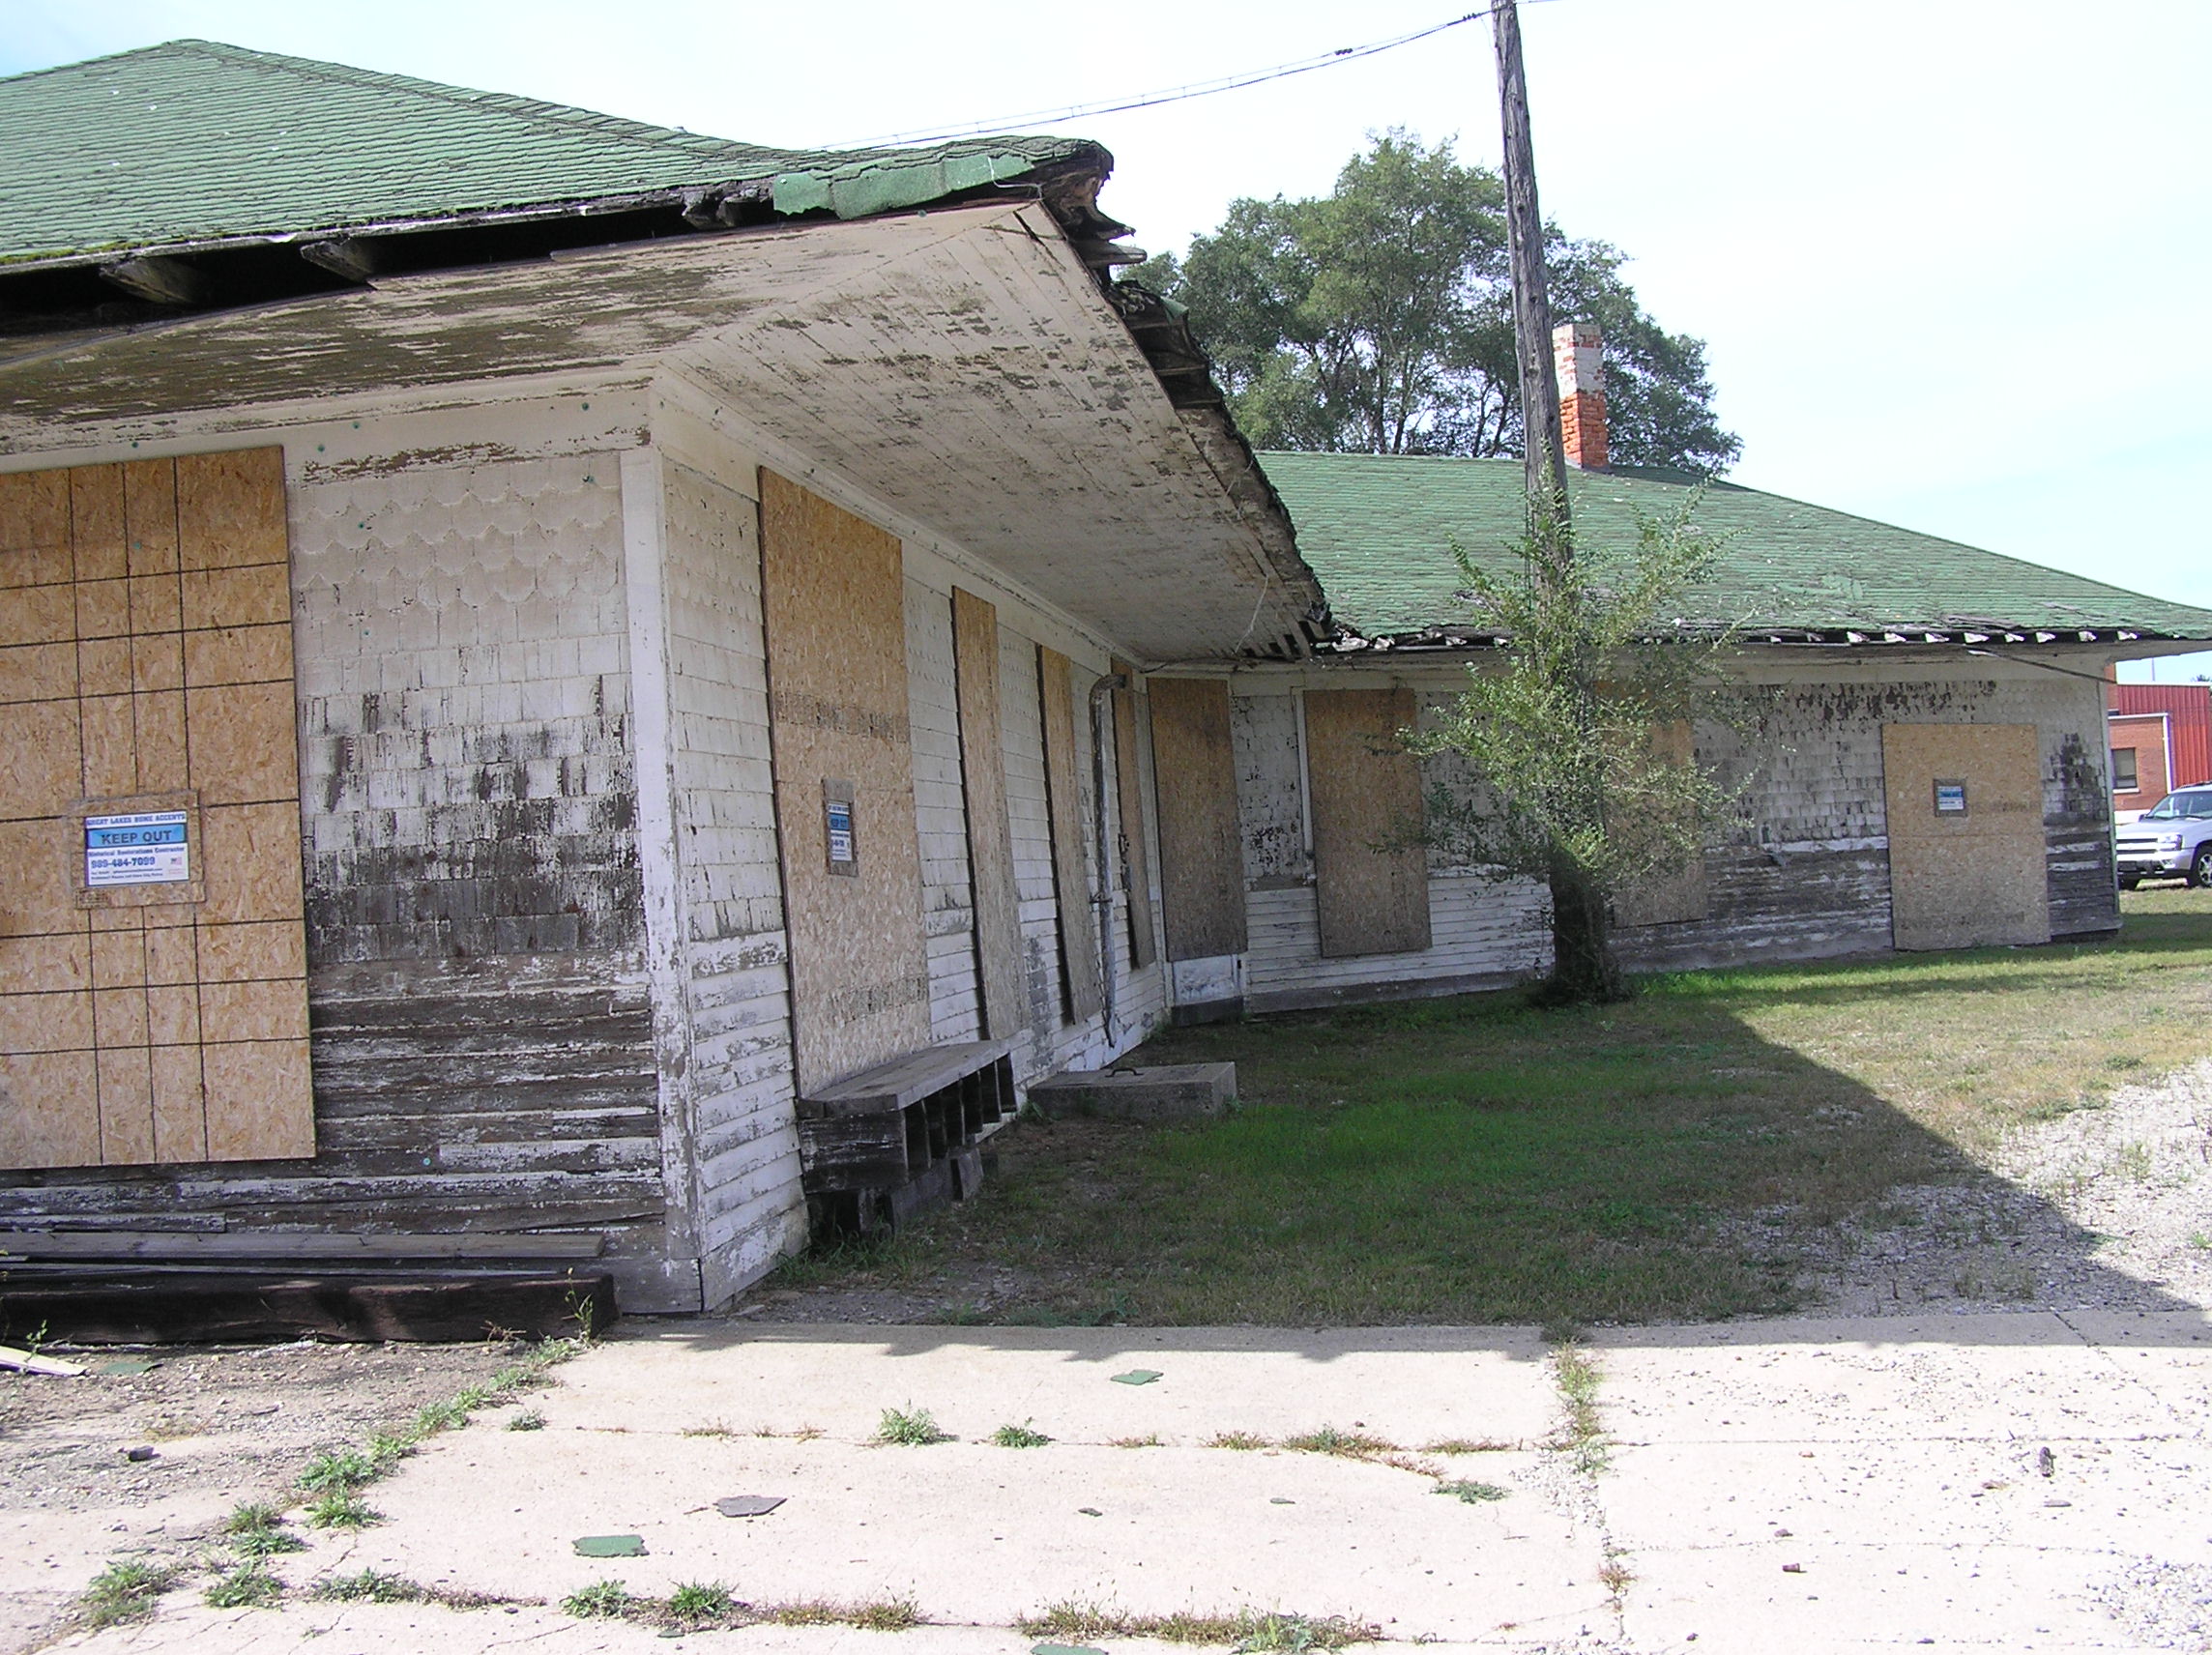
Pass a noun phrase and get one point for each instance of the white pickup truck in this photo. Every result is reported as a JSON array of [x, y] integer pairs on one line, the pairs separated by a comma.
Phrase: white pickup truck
[[2171, 840]]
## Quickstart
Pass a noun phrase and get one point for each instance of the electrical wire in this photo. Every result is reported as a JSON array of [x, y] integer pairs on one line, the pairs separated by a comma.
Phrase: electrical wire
[[1170, 95]]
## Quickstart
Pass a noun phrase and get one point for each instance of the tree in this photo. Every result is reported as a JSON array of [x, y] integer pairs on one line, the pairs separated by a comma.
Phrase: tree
[[1378, 319], [1566, 769]]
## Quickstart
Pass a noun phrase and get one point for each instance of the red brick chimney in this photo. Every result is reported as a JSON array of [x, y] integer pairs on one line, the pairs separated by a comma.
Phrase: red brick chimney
[[1582, 394]]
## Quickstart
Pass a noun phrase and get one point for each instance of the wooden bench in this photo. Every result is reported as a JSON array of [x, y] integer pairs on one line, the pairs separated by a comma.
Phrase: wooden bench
[[876, 1147]]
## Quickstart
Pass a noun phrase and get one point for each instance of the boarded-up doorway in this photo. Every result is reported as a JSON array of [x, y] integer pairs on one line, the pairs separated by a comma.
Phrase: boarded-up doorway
[[1371, 873], [1201, 858], [832, 594], [1965, 835]]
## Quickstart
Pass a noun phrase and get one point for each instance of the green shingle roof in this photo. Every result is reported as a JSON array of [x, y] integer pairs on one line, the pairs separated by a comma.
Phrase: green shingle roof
[[194, 142], [1378, 531]]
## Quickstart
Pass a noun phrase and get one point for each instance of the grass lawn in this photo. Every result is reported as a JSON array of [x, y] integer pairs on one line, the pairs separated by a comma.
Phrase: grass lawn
[[1472, 1160]]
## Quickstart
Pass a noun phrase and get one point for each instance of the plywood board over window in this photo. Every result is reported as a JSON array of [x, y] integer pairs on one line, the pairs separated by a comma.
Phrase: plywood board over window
[[1678, 895], [152, 960], [1063, 800], [1136, 872], [1371, 872], [1201, 858], [833, 596], [1964, 809], [990, 833]]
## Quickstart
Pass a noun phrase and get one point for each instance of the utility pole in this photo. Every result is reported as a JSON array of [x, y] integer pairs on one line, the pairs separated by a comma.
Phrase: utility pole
[[1531, 296]]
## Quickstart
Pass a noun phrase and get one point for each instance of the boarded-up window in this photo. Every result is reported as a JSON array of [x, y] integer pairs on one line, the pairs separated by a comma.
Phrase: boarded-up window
[[153, 960], [1371, 873], [1965, 806], [1674, 895], [990, 837], [1136, 873], [1202, 862], [833, 598], [1064, 799]]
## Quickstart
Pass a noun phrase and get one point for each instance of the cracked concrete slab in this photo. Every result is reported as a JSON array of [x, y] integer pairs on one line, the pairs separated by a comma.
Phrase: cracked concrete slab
[[1811, 1484]]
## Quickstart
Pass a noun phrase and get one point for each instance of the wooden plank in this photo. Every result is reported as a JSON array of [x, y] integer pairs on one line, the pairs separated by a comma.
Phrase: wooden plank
[[834, 601], [997, 934], [1973, 876], [1129, 798], [1678, 895], [908, 1079], [307, 1247], [1202, 871], [1371, 873], [423, 1309], [1063, 805]]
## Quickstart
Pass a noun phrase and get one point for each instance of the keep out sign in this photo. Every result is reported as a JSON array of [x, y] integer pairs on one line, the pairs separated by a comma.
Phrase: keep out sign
[[147, 848]]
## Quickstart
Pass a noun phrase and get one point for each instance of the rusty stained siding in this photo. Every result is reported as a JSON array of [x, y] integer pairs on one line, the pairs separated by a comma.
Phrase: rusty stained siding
[[735, 986], [480, 1022], [1805, 876]]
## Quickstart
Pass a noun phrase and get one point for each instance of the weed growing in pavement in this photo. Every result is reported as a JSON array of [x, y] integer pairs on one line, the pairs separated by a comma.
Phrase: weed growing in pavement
[[600, 1600], [368, 1586], [123, 1592], [1247, 1631], [1577, 1378], [1151, 1439], [916, 1427], [700, 1602], [338, 1470], [248, 1585], [1473, 1493], [342, 1510], [1344, 1444], [258, 1530], [1019, 1437], [529, 1419], [1615, 1575], [1242, 1442], [875, 1615], [1468, 1445]]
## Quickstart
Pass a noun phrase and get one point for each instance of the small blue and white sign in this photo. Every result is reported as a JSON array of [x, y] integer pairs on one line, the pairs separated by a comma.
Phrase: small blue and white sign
[[1950, 799], [840, 831], [150, 847]]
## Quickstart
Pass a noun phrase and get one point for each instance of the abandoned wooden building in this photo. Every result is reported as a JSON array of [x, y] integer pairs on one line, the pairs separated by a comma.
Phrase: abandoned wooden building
[[567, 679], [535, 644]]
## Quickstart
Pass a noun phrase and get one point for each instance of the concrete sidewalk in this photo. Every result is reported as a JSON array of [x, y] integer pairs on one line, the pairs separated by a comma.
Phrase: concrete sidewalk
[[1766, 1486]]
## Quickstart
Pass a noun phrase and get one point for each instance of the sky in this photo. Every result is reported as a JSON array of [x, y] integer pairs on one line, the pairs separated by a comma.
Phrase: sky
[[1944, 255]]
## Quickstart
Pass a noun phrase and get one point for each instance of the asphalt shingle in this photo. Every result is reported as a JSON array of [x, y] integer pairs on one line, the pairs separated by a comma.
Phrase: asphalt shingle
[[1378, 531], [195, 142]]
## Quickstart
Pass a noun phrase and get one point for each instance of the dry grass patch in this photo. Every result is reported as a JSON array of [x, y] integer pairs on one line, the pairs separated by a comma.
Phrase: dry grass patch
[[1246, 1630], [1473, 1160]]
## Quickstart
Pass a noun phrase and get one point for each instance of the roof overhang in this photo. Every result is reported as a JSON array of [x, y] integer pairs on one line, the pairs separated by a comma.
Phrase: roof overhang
[[963, 367]]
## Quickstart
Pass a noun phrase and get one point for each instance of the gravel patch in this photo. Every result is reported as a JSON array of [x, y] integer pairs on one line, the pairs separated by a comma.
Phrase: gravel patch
[[2162, 1605], [2107, 1207]]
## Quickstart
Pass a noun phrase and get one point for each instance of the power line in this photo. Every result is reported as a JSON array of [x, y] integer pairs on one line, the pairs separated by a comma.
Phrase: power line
[[1171, 94]]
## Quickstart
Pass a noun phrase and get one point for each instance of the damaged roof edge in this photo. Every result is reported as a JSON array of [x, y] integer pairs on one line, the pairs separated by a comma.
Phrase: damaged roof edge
[[1186, 374]]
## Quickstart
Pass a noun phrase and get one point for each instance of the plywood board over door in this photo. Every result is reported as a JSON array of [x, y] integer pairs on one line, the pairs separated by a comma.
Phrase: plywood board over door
[[990, 833], [1964, 809], [1371, 872], [1063, 800], [1677, 895], [832, 592], [146, 669], [1136, 872], [1202, 858]]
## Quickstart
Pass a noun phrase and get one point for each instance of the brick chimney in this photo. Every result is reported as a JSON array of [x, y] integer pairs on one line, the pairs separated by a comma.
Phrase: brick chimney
[[1582, 394]]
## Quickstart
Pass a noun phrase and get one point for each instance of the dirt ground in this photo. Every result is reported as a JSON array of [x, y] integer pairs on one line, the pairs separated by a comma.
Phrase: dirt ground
[[225, 1424]]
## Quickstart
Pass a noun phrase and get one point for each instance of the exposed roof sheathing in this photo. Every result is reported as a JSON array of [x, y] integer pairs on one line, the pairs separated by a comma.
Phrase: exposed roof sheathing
[[195, 143], [1378, 531]]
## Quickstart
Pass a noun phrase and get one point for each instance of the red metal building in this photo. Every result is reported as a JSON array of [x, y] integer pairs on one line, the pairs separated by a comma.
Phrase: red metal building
[[2160, 739]]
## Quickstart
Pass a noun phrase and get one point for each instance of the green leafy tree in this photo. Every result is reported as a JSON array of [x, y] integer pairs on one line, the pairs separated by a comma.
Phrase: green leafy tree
[[1566, 770], [1378, 319]]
